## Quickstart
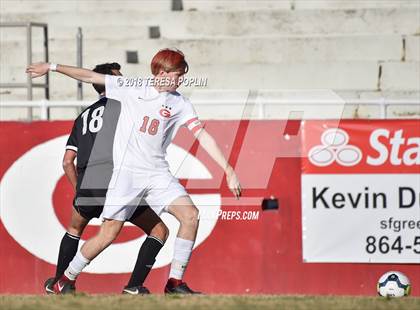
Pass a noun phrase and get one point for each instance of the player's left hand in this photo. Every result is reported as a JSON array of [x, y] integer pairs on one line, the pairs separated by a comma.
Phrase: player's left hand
[[38, 69], [233, 183]]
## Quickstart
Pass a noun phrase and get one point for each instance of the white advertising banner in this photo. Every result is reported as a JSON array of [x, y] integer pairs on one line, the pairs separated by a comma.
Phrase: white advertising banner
[[361, 192]]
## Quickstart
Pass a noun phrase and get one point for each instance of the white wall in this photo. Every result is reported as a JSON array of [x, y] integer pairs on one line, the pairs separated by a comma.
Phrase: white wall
[[367, 49]]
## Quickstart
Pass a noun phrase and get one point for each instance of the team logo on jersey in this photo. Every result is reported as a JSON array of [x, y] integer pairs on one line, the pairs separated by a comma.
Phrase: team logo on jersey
[[165, 111]]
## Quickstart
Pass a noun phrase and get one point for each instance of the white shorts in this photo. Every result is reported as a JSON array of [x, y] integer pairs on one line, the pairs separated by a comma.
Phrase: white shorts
[[127, 188]]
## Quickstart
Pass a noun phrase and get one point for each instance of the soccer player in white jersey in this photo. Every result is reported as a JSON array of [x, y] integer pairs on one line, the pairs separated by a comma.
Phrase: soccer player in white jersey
[[91, 143], [150, 117]]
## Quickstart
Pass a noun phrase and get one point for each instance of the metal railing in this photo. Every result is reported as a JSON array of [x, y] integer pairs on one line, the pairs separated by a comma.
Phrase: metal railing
[[383, 104], [29, 85]]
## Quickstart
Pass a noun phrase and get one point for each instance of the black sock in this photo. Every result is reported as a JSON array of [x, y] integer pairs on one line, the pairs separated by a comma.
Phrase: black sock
[[68, 249], [145, 260]]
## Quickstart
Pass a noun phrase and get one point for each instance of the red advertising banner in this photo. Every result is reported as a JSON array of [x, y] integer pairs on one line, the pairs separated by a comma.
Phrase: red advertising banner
[[361, 147], [233, 256]]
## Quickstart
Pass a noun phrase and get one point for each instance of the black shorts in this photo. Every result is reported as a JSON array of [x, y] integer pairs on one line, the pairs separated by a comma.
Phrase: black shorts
[[90, 204]]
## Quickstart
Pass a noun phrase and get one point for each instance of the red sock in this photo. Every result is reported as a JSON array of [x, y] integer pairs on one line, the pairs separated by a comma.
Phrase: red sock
[[174, 282]]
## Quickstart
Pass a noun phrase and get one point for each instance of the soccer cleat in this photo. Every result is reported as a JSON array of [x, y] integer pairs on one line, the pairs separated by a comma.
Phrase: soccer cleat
[[49, 286], [136, 290], [64, 286], [175, 286]]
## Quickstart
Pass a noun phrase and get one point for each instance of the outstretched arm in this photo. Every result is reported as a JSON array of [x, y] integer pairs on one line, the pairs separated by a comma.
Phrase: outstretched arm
[[210, 145], [81, 74]]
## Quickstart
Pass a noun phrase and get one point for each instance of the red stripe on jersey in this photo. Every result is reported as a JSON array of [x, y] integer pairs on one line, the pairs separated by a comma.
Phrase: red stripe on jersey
[[194, 124], [191, 121]]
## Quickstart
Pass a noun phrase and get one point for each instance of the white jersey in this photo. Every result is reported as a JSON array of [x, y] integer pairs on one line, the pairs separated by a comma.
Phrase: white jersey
[[148, 122]]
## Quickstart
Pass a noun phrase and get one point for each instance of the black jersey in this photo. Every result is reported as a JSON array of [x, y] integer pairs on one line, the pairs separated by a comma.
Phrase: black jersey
[[92, 137]]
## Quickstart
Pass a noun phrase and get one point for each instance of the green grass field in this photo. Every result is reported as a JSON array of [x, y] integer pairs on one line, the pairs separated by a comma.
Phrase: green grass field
[[107, 302]]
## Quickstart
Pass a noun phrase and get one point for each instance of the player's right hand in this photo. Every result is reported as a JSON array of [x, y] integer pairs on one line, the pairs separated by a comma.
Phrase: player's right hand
[[38, 69]]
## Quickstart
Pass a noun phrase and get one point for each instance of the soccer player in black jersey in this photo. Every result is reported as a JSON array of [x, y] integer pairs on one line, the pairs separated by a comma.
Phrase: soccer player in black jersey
[[91, 142]]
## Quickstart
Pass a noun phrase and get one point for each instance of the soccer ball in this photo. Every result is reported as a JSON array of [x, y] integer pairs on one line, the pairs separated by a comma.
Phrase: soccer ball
[[394, 284]]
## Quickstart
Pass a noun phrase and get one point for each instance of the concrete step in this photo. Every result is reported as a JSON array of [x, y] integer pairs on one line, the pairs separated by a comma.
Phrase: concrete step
[[70, 32], [238, 5], [126, 18], [352, 4], [404, 111], [340, 76], [412, 48], [100, 6], [400, 76], [388, 95], [68, 93], [77, 6], [241, 23], [333, 75], [61, 87], [22, 114], [274, 50], [279, 22], [396, 76]]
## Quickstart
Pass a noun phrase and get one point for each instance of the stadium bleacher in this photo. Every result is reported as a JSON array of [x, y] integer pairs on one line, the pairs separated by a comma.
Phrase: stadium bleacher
[[360, 49]]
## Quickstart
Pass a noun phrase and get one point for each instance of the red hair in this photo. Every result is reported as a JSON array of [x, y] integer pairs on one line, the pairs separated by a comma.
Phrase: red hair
[[169, 60]]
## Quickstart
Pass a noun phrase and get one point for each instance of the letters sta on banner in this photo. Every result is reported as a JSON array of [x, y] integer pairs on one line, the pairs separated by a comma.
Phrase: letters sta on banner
[[361, 191]]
